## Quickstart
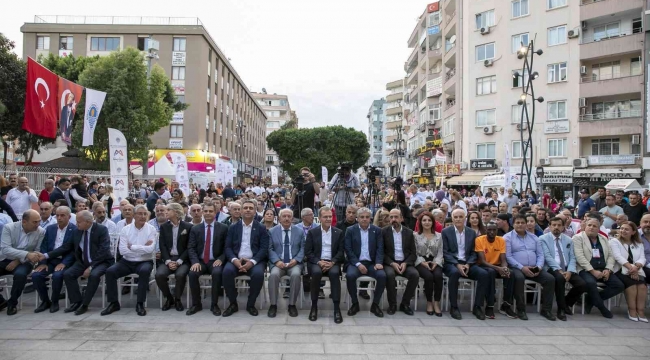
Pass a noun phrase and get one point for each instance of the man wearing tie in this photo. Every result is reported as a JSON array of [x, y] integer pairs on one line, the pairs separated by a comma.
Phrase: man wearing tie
[[247, 249], [286, 252], [173, 240], [324, 253], [55, 236], [205, 250], [91, 246], [137, 245], [399, 257], [560, 261], [364, 248], [18, 253]]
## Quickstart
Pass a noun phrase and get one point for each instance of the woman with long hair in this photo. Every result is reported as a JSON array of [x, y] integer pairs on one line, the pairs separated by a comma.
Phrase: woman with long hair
[[630, 260], [531, 225], [478, 198], [381, 218], [428, 244], [108, 200], [474, 222], [202, 195], [268, 219]]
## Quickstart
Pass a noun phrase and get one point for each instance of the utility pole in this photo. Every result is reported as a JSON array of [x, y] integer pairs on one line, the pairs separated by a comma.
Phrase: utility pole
[[152, 47]]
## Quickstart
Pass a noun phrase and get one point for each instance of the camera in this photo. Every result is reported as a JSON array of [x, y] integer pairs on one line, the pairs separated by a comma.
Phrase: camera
[[372, 173], [342, 167], [299, 183], [398, 183]]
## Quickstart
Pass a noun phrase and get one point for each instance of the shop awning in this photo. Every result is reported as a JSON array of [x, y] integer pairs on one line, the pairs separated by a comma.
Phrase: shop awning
[[625, 185], [466, 179], [608, 173]]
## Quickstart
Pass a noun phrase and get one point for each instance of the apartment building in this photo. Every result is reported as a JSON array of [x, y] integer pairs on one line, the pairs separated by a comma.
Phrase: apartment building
[[396, 130], [224, 120], [376, 133], [433, 89], [278, 112]]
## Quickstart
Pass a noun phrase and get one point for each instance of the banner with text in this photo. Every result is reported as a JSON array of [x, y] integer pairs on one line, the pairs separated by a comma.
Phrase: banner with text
[[94, 103], [229, 174], [179, 162], [506, 167], [220, 172], [119, 167], [274, 175], [324, 174]]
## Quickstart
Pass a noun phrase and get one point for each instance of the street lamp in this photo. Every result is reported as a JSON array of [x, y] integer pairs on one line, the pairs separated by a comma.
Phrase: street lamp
[[152, 47], [540, 175]]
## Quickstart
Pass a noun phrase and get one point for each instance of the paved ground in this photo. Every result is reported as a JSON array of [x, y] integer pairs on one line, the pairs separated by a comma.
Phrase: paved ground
[[173, 335]]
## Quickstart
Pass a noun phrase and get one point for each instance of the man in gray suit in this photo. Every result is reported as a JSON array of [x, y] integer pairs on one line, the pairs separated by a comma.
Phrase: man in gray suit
[[286, 251], [18, 253]]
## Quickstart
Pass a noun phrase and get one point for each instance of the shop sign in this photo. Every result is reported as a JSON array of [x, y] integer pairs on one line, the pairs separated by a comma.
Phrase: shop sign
[[178, 58], [483, 164], [448, 169], [179, 87], [426, 173], [178, 117], [433, 30], [612, 160], [556, 127], [175, 143], [552, 176], [431, 145]]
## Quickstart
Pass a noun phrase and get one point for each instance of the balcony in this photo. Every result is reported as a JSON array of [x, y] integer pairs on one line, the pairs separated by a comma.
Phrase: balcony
[[412, 78], [435, 52], [624, 41], [450, 74], [615, 85], [394, 111], [395, 97], [393, 124], [591, 9], [626, 122], [450, 20]]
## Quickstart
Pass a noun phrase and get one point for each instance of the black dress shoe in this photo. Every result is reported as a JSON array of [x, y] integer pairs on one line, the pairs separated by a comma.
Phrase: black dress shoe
[[478, 312], [111, 308], [215, 310], [548, 315], [54, 307], [293, 311], [405, 309], [126, 290], [231, 309], [140, 310], [11, 310], [521, 314], [392, 309], [72, 308], [313, 314], [179, 305], [168, 304], [364, 295], [338, 318], [42, 307], [81, 310], [3, 303], [194, 309], [252, 310], [561, 315], [375, 309], [273, 310], [321, 294], [568, 310], [455, 313], [354, 309]]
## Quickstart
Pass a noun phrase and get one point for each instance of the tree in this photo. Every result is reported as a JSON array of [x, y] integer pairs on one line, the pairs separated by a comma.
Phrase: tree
[[69, 67], [291, 124], [316, 147]]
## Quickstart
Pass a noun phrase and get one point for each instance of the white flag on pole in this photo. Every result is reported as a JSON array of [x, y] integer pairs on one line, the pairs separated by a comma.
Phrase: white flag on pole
[[274, 175], [324, 174], [94, 103], [506, 167]]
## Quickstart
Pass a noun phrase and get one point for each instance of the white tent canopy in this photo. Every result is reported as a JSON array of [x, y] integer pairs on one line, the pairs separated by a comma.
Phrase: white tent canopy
[[625, 185], [162, 167]]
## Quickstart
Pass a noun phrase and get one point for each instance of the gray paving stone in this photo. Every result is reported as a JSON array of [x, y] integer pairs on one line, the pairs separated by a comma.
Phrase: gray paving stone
[[364, 349], [556, 331], [19, 324], [542, 340], [424, 349], [642, 349], [217, 356], [493, 357], [12, 354], [630, 357], [120, 318], [571, 357], [388, 321], [322, 357], [147, 356], [517, 323], [410, 357], [379, 329], [475, 339], [624, 332], [122, 346], [170, 336], [63, 355], [274, 329], [496, 331], [447, 321], [521, 349], [326, 338], [72, 325], [27, 334], [94, 335], [55, 345], [283, 348], [177, 327], [428, 330], [599, 350], [627, 341], [323, 319], [582, 324], [399, 339], [201, 347], [244, 337]]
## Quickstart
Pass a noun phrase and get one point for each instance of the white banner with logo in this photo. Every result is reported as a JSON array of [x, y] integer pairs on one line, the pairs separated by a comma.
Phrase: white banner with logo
[[229, 175], [506, 167], [179, 162], [324, 174], [274, 175], [119, 167], [94, 103], [220, 172]]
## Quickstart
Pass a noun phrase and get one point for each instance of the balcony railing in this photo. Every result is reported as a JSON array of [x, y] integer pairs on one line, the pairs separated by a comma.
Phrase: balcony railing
[[450, 74], [620, 114], [116, 20], [609, 34], [450, 103], [593, 78], [587, 2], [449, 46]]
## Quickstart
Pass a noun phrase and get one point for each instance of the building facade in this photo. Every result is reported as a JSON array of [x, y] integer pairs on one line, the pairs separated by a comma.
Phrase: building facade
[[223, 121], [278, 112], [396, 130], [376, 133]]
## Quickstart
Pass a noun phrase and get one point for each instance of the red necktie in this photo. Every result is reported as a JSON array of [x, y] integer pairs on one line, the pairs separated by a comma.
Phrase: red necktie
[[206, 247]]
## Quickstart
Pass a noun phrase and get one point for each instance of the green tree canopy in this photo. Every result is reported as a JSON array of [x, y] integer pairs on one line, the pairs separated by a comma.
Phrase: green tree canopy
[[316, 147], [69, 67]]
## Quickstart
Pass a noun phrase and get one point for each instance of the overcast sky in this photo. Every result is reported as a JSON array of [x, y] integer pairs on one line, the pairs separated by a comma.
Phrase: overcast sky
[[332, 58]]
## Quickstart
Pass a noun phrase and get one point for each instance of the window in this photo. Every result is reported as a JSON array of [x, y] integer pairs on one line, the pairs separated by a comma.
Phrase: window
[[485, 151], [486, 85], [605, 146], [486, 117], [606, 71], [178, 72], [176, 131], [557, 147], [517, 152], [434, 18], [104, 43], [552, 4], [557, 110], [65, 43], [607, 31], [518, 41], [43, 43], [519, 8], [485, 19], [635, 66], [448, 127], [557, 35], [521, 80], [179, 44], [637, 26], [484, 52], [557, 72], [207, 122], [516, 112], [434, 112], [616, 109], [142, 43]]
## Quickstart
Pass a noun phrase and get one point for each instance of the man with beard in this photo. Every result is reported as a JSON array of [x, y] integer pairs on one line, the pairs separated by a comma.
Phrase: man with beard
[[399, 258], [99, 212]]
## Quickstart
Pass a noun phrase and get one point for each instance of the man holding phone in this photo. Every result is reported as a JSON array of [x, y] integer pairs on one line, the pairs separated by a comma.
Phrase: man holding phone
[[526, 258]]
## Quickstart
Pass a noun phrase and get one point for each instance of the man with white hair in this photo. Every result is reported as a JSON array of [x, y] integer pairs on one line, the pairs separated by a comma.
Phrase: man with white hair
[[161, 217], [21, 197], [99, 212], [234, 209], [119, 217], [127, 212], [45, 210], [47, 190]]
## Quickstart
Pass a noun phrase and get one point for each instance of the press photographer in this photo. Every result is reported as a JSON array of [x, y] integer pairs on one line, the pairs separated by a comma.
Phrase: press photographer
[[303, 192], [344, 184]]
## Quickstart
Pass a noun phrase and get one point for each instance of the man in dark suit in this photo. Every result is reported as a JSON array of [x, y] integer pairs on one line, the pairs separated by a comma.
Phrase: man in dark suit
[[55, 236], [364, 248], [91, 246], [247, 249], [173, 240], [399, 260], [460, 260], [205, 250], [59, 191], [158, 190], [324, 254]]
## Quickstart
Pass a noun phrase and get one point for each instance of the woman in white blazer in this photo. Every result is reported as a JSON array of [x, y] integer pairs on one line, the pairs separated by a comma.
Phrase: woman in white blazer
[[630, 259]]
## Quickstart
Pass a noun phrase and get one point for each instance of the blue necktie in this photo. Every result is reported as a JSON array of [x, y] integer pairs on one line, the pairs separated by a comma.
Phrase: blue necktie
[[287, 251]]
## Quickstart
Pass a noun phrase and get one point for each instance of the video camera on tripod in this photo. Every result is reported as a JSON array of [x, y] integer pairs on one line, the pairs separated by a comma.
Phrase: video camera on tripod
[[372, 173]]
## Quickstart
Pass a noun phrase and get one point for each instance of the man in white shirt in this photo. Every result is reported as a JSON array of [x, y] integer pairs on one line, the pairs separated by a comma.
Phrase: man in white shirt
[[137, 246], [99, 212], [80, 205], [127, 212], [257, 190], [21, 197], [46, 215], [611, 211]]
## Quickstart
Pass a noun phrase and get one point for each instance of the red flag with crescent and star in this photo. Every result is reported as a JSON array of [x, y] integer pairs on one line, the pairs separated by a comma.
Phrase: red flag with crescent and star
[[41, 105]]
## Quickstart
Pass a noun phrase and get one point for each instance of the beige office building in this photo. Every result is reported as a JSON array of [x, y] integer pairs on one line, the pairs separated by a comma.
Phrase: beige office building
[[278, 112], [201, 74]]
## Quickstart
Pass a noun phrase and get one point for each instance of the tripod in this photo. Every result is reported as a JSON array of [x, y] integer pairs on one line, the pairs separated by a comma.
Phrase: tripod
[[341, 184], [373, 196]]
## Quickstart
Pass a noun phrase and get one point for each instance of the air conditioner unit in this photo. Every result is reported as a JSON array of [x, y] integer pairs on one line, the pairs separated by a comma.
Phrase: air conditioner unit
[[636, 139], [488, 130], [488, 62], [580, 163], [522, 127], [572, 34], [544, 161], [583, 25], [582, 102], [583, 70], [485, 30]]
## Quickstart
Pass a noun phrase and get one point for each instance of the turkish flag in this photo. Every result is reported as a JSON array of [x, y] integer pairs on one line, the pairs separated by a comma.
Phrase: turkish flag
[[41, 107]]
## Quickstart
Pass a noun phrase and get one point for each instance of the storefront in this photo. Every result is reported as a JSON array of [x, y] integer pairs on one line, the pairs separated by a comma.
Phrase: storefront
[[557, 181], [444, 172], [592, 178]]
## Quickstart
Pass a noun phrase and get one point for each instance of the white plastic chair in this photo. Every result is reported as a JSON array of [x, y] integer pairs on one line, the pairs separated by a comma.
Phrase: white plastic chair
[[131, 282], [6, 283], [464, 285], [372, 283]]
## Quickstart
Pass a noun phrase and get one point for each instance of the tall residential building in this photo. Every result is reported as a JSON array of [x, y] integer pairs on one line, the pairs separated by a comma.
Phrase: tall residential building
[[433, 88], [202, 76], [396, 130], [376, 133], [278, 112]]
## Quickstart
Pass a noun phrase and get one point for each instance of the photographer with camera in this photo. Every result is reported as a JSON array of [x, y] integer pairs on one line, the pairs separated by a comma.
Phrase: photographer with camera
[[305, 187], [344, 184]]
